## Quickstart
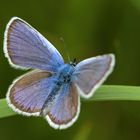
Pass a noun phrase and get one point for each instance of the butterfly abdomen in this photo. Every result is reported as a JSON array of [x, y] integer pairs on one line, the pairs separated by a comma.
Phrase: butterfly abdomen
[[63, 77], [50, 99]]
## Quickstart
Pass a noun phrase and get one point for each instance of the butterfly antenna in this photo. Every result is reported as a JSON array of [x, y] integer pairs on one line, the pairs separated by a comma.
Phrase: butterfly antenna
[[66, 50]]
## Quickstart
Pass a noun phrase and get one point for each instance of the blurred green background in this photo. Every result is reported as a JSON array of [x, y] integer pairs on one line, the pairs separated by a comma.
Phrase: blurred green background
[[89, 28]]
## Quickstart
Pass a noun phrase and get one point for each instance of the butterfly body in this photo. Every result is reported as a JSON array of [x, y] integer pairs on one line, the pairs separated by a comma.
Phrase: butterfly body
[[65, 72], [54, 88], [63, 77]]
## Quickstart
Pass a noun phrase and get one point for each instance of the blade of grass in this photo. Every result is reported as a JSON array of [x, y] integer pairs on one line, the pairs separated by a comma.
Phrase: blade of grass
[[104, 93], [116, 92], [5, 111]]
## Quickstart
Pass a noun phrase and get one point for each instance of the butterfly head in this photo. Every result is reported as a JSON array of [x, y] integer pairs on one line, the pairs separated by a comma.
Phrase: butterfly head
[[73, 63]]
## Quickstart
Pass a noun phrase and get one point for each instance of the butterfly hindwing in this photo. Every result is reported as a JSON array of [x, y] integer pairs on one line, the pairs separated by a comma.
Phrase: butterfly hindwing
[[66, 109], [91, 73], [28, 93], [26, 48]]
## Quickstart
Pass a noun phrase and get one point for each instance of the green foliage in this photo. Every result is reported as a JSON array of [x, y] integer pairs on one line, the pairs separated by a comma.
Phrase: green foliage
[[105, 93]]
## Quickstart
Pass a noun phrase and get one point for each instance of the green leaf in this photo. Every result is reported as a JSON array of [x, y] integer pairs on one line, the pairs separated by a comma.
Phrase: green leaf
[[5, 111], [116, 92], [104, 93]]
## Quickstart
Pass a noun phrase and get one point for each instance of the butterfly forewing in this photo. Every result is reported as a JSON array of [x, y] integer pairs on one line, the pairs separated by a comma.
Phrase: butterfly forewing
[[27, 48], [91, 73]]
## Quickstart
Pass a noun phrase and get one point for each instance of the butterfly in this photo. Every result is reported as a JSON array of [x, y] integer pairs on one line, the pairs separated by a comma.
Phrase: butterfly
[[52, 89]]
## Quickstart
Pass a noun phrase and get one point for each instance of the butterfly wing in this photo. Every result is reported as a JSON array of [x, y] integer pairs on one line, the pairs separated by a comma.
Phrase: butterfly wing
[[91, 73], [28, 93], [26, 48], [66, 109]]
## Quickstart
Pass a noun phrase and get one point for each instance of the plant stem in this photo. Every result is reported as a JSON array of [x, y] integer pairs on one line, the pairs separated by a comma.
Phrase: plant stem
[[104, 93]]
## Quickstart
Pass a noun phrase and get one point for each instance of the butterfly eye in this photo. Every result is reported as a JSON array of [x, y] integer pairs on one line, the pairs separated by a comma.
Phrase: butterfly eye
[[73, 63]]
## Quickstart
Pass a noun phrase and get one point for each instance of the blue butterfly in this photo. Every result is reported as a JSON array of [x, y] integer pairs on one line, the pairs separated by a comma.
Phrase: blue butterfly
[[54, 88]]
